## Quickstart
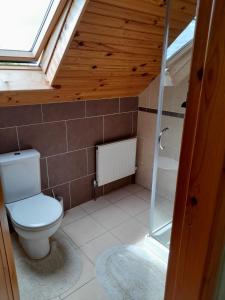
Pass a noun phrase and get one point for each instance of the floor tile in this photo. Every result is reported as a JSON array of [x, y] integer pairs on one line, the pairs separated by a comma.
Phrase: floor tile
[[97, 246], [132, 205], [133, 188], [110, 216], [88, 273], [131, 231], [94, 205], [73, 214], [117, 195], [143, 217], [83, 230], [89, 291], [144, 194]]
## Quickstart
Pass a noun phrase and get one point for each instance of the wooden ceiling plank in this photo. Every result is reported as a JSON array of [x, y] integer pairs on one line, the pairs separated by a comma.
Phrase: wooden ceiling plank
[[83, 53], [125, 23], [113, 11], [83, 38], [117, 32], [149, 6]]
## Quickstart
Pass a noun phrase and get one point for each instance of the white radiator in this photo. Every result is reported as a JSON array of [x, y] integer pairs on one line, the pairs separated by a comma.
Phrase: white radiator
[[115, 160]]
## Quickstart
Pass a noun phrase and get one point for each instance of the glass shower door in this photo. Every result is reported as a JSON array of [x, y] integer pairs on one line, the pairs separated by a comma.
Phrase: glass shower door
[[174, 83]]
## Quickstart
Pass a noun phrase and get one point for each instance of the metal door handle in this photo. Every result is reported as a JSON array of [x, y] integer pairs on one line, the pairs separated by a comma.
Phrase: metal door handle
[[160, 138]]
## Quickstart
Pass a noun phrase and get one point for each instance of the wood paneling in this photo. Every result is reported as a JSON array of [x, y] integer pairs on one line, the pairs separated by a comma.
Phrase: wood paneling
[[119, 44], [116, 51]]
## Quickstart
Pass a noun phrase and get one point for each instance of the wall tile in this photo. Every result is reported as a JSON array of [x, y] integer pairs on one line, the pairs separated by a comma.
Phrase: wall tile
[[48, 138], [84, 132], [117, 127], [20, 115], [102, 107], [135, 117], [128, 104], [63, 191], [91, 160], [82, 190], [44, 177], [63, 111], [66, 167], [147, 125], [8, 140]]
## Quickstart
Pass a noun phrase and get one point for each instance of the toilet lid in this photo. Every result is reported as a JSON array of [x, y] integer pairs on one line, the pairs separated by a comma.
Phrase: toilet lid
[[36, 211]]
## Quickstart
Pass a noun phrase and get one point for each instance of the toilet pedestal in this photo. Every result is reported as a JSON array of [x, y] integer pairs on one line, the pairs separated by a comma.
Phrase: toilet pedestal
[[35, 249]]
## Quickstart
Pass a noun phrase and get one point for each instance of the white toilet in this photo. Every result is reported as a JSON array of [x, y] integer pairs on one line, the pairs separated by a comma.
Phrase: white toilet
[[35, 217]]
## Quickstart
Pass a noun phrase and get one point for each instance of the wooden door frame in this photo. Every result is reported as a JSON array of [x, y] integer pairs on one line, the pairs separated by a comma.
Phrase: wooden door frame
[[198, 233], [9, 285]]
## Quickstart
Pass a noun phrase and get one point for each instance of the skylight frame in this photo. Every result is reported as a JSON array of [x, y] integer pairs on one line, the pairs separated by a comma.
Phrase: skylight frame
[[48, 24]]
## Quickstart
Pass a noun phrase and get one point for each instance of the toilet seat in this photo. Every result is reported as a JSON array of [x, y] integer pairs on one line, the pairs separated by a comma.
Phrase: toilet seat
[[36, 212]]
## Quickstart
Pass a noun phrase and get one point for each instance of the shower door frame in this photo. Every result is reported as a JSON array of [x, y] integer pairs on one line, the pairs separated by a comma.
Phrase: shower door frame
[[158, 121]]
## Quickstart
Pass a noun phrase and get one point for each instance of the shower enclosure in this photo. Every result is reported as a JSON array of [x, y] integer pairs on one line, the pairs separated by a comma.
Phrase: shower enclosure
[[174, 81]]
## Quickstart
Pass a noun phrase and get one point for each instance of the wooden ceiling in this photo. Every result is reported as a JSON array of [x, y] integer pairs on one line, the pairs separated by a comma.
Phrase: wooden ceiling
[[116, 51]]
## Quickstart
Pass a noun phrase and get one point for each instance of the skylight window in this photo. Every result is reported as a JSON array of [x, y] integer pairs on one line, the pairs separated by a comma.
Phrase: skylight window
[[25, 26], [182, 40]]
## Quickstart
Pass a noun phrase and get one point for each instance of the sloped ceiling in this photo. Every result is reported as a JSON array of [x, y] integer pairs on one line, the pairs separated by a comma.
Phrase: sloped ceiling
[[118, 46], [116, 51]]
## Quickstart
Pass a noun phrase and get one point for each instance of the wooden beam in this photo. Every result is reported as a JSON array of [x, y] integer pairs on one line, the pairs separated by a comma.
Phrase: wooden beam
[[76, 11]]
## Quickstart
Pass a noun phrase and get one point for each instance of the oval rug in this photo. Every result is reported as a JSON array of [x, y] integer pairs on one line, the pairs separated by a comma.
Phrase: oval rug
[[131, 273], [51, 276]]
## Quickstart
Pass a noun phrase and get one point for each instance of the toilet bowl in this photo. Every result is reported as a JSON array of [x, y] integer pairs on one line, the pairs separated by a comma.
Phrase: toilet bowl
[[35, 219]]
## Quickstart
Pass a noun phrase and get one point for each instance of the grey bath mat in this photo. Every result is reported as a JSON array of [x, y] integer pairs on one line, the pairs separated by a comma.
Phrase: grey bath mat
[[49, 277], [131, 273]]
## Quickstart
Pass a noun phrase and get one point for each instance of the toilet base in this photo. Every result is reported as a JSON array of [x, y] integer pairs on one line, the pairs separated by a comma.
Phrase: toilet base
[[35, 249]]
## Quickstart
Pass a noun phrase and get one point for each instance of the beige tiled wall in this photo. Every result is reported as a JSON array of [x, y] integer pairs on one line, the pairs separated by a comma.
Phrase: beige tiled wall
[[146, 134], [173, 98]]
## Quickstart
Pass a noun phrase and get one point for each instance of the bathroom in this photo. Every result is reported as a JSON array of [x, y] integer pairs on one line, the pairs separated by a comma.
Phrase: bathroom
[[86, 224]]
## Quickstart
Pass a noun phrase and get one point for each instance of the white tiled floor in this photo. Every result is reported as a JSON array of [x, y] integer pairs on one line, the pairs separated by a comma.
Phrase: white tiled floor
[[117, 218]]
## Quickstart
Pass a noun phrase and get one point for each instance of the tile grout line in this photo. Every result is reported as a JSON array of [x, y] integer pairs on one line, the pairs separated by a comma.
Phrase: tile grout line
[[69, 151], [17, 136], [87, 160], [61, 120], [113, 203], [42, 115], [76, 290], [67, 142], [46, 161], [106, 230], [70, 198], [68, 181]]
